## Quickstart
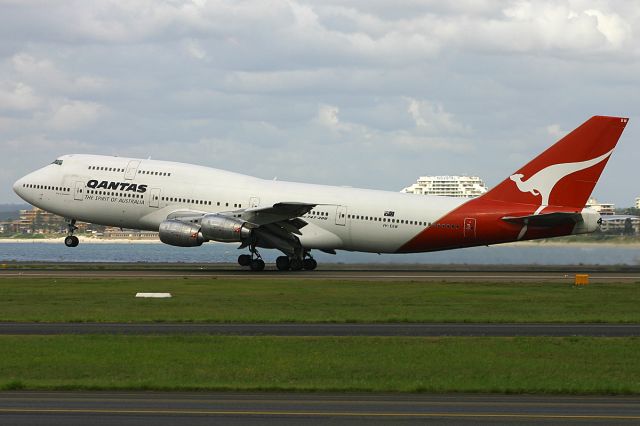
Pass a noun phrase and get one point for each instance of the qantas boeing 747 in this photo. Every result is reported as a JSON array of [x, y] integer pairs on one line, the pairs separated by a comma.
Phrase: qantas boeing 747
[[189, 205]]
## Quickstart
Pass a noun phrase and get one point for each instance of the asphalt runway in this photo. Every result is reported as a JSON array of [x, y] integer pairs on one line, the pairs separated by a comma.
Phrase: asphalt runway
[[316, 329], [160, 408], [530, 275]]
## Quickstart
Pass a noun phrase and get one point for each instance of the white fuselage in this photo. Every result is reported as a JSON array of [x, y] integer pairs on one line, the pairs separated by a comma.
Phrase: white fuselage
[[344, 218]]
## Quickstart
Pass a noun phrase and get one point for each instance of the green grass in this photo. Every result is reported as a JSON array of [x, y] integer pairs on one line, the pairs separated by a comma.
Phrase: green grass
[[505, 365], [290, 300]]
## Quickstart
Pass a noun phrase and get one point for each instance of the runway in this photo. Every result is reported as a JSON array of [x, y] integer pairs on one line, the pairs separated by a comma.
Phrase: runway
[[525, 275], [350, 329], [164, 408]]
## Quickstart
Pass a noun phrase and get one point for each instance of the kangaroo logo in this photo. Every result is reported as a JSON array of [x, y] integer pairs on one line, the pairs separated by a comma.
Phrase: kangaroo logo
[[543, 182]]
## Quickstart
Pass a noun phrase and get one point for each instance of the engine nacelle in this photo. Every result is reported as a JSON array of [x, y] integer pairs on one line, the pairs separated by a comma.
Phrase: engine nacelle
[[224, 229], [181, 234]]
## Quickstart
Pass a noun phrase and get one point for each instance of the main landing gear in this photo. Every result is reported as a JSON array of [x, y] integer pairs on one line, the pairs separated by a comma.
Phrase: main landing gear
[[283, 263], [71, 240], [253, 260]]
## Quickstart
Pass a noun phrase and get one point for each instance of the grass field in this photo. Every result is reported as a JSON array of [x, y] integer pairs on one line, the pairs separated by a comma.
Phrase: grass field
[[195, 362], [511, 365], [237, 300]]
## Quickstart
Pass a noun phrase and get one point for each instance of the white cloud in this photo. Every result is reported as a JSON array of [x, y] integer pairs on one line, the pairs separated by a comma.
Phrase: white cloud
[[425, 144], [371, 92], [18, 97], [45, 74], [328, 116], [71, 115], [435, 129], [433, 119], [195, 49], [612, 26], [556, 131]]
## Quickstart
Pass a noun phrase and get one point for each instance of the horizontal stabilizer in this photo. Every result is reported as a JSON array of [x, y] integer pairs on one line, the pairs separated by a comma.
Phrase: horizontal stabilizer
[[545, 219]]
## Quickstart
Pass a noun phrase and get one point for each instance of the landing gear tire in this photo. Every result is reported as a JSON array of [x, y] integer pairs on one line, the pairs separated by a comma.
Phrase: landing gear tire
[[282, 263], [71, 241], [295, 264], [244, 260], [257, 265], [309, 264]]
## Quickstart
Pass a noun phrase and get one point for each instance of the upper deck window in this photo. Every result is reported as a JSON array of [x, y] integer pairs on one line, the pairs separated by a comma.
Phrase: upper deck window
[[58, 162]]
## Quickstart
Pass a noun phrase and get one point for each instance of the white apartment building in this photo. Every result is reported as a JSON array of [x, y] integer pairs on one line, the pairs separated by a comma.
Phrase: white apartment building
[[617, 223], [450, 186], [602, 208], [638, 203]]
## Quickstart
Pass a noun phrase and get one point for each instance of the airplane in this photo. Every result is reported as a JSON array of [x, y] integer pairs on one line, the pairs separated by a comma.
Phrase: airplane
[[189, 204]]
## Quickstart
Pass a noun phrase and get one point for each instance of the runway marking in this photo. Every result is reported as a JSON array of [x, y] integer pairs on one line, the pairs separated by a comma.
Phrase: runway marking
[[314, 413]]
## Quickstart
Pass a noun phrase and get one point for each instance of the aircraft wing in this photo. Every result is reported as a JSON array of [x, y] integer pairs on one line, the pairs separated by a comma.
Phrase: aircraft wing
[[276, 213], [258, 216], [275, 226]]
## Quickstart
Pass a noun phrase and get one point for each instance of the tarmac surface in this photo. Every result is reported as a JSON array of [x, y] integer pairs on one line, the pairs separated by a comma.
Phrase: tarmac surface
[[233, 408], [318, 329], [411, 274]]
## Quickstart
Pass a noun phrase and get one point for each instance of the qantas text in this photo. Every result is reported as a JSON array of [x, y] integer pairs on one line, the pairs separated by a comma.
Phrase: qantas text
[[117, 186]]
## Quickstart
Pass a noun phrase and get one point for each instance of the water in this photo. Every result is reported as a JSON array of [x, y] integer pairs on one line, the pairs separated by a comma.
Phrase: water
[[214, 253]]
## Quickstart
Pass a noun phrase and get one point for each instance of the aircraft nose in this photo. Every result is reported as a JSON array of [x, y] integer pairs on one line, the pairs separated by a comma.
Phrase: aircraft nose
[[17, 187]]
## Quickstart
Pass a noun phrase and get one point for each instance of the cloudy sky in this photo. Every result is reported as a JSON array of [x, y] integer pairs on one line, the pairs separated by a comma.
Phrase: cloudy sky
[[365, 93]]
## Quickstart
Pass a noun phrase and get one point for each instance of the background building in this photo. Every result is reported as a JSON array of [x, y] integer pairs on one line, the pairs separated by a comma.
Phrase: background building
[[602, 208], [638, 203], [37, 221], [115, 233], [450, 186], [620, 224]]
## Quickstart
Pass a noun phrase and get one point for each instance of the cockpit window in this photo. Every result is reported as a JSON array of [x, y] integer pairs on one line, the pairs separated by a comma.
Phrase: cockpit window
[[58, 162]]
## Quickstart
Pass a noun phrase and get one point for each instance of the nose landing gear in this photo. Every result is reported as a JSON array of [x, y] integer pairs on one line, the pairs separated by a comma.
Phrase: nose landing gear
[[71, 240]]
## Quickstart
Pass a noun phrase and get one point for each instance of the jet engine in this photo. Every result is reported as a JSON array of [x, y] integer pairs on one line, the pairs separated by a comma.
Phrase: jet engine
[[181, 234], [224, 229]]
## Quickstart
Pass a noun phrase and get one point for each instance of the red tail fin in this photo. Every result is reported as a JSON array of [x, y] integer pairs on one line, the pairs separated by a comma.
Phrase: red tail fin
[[565, 174]]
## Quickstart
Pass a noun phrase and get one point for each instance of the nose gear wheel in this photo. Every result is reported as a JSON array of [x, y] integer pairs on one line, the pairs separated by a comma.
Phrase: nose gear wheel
[[71, 240]]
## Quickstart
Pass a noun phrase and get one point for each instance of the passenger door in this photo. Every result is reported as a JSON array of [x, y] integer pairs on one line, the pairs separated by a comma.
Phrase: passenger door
[[341, 215], [469, 227], [78, 191], [131, 170], [154, 197]]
